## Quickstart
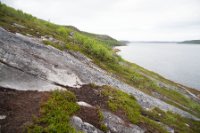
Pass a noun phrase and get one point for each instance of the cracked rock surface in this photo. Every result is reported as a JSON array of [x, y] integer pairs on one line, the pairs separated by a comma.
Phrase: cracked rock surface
[[117, 125]]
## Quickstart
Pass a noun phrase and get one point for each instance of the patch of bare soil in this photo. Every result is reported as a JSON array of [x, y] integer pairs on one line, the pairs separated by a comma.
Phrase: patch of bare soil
[[90, 115], [93, 95], [19, 107]]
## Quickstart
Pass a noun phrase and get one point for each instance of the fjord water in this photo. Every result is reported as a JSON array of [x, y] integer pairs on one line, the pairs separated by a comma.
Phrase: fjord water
[[177, 62]]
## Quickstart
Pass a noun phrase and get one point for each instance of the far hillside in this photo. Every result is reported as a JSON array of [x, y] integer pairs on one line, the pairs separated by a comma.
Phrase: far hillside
[[192, 41]]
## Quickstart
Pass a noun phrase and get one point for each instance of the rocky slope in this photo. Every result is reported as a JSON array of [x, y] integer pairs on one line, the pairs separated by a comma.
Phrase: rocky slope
[[26, 64], [90, 90]]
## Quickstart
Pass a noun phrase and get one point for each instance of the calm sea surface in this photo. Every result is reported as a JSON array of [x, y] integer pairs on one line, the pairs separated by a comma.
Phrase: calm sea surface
[[177, 62]]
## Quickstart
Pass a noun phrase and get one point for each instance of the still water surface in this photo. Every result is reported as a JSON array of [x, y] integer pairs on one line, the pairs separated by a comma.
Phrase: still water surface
[[177, 62]]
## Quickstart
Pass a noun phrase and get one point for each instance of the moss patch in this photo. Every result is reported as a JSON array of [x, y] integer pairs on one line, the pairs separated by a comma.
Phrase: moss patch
[[56, 113], [122, 101]]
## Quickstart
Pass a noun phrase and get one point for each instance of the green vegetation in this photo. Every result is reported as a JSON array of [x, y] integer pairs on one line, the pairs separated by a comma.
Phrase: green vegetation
[[60, 47], [99, 49], [109, 41], [55, 114], [95, 48], [101, 118], [134, 76], [180, 124], [100, 114], [118, 100]]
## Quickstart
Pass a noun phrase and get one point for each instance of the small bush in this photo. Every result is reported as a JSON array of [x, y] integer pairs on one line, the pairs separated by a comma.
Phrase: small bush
[[95, 48], [63, 31]]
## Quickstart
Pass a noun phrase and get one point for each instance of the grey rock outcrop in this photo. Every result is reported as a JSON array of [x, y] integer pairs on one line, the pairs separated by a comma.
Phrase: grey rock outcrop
[[2, 117], [117, 125], [84, 104], [18, 25], [28, 64], [85, 127]]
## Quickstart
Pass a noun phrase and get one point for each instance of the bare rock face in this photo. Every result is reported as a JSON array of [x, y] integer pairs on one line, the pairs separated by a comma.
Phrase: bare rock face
[[2, 117], [29, 65], [84, 104], [18, 25], [117, 125], [85, 127], [16, 79]]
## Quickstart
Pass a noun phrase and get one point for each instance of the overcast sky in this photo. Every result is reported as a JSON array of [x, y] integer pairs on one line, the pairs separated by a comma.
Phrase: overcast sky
[[159, 20]]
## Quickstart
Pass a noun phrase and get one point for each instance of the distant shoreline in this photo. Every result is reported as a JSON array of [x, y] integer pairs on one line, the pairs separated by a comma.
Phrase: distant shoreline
[[191, 42]]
